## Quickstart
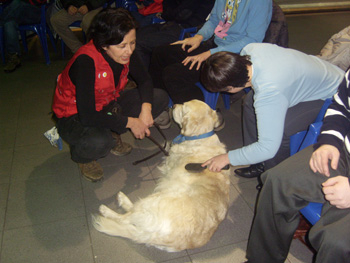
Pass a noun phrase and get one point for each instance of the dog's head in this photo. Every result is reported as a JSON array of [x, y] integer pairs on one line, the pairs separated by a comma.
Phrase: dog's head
[[195, 117]]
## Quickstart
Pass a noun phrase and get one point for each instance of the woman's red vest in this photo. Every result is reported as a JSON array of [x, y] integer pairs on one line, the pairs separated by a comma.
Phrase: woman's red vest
[[64, 102]]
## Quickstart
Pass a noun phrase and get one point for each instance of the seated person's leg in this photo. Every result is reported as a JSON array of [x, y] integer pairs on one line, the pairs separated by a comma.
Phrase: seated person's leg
[[87, 19], [330, 236], [130, 102], [298, 118], [155, 35], [286, 189], [172, 55], [180, 83], [60, 22]]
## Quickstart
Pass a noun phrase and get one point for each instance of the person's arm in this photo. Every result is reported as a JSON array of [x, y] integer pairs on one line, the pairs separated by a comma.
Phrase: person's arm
[[209, 26], [82, 74], [270, 115], [336, 123], [335, 129]]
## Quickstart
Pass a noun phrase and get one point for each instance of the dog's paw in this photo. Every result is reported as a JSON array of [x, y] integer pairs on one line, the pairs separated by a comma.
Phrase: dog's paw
[[104, 210], [124, 201]]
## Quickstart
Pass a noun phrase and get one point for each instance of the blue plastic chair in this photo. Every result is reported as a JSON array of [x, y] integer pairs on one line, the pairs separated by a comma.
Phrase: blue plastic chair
[[41, 29], [301, 140], [297, 140]]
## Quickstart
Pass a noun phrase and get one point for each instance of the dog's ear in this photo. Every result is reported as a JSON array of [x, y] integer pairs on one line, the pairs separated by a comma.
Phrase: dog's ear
[[198, 118], [216, 119]]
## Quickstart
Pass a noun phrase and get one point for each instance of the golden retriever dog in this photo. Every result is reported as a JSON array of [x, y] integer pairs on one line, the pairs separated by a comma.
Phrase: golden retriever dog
[[186, 207]]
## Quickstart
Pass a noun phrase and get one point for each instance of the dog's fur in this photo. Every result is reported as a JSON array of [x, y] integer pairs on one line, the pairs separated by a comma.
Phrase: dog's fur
[[186, 208]]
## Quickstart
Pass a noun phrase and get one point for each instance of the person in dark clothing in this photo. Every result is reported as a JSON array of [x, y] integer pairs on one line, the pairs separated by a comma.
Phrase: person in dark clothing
[[178, 14], [17, 12], [90, 102], [319, 173]]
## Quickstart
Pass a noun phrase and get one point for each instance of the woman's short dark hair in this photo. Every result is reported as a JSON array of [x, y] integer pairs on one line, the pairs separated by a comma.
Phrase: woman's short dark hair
[[224, 69], [110, 26]]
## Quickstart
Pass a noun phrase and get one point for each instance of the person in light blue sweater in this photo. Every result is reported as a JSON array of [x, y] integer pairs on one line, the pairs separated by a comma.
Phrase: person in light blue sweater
[[232, 25], [288, 89]]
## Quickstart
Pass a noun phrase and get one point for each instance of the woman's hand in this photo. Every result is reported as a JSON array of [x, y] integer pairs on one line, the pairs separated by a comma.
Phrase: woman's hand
[[194, 42], [196, 59], [146, 114], [319, 159], [138, 128], [216, 163]]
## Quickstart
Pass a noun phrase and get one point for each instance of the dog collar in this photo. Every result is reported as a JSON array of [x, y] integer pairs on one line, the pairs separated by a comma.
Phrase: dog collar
[[181, 138]]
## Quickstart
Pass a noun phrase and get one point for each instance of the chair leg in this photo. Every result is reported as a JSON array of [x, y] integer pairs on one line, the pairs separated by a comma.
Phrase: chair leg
[[43, 40], [24, 40]]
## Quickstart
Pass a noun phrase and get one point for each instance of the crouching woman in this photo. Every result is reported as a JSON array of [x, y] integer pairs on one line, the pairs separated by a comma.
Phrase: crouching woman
[[90, 103]]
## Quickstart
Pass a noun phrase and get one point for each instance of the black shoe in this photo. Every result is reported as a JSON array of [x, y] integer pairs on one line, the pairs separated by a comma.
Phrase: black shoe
[[252, 171]]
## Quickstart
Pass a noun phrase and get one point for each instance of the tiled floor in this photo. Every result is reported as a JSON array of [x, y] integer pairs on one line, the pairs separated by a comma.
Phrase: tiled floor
[[45, 204]]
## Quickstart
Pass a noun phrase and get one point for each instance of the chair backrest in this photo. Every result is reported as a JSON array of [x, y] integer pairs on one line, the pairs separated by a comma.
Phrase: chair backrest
[[277, 32]]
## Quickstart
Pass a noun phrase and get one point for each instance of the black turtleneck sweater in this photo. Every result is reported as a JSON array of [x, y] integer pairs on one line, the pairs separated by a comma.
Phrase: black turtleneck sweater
[[82, 74]]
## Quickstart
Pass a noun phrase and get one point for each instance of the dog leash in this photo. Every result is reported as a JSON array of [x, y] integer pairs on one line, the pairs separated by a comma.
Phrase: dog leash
[[161, 148]]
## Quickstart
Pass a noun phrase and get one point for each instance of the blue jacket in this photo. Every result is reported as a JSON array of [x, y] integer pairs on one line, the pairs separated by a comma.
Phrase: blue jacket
[[250, 25]]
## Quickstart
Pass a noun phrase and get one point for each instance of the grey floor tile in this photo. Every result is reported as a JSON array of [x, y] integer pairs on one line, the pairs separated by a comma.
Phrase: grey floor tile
[[234, 253], [4, 188], [299, 252], [31, 108], [42, 200], [41, 160], [31, 131], [8, 131], [65, 241], [5, 164], [134, 182], [248, 192], [108, 249]]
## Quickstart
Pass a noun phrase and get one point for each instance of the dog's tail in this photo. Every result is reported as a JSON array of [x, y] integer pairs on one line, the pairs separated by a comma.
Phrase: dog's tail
[[114, 228]]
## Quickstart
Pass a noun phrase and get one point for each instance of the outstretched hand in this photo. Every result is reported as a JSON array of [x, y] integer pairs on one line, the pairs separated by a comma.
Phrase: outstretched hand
[[198, 59], [193, 42]]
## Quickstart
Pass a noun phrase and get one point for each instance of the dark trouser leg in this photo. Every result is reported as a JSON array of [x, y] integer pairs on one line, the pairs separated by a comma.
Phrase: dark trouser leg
[[92, 143], [288, 187], [86, 143], [155, 35], [180, 82], [130, 102], [298, 118], [168, 73], [330, 236]]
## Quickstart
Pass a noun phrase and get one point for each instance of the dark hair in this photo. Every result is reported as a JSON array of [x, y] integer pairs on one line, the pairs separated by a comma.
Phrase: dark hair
[[110, 26], [224, 69]]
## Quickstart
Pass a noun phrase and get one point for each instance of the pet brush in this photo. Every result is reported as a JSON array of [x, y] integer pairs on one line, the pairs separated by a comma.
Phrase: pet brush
[[197, 167]]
